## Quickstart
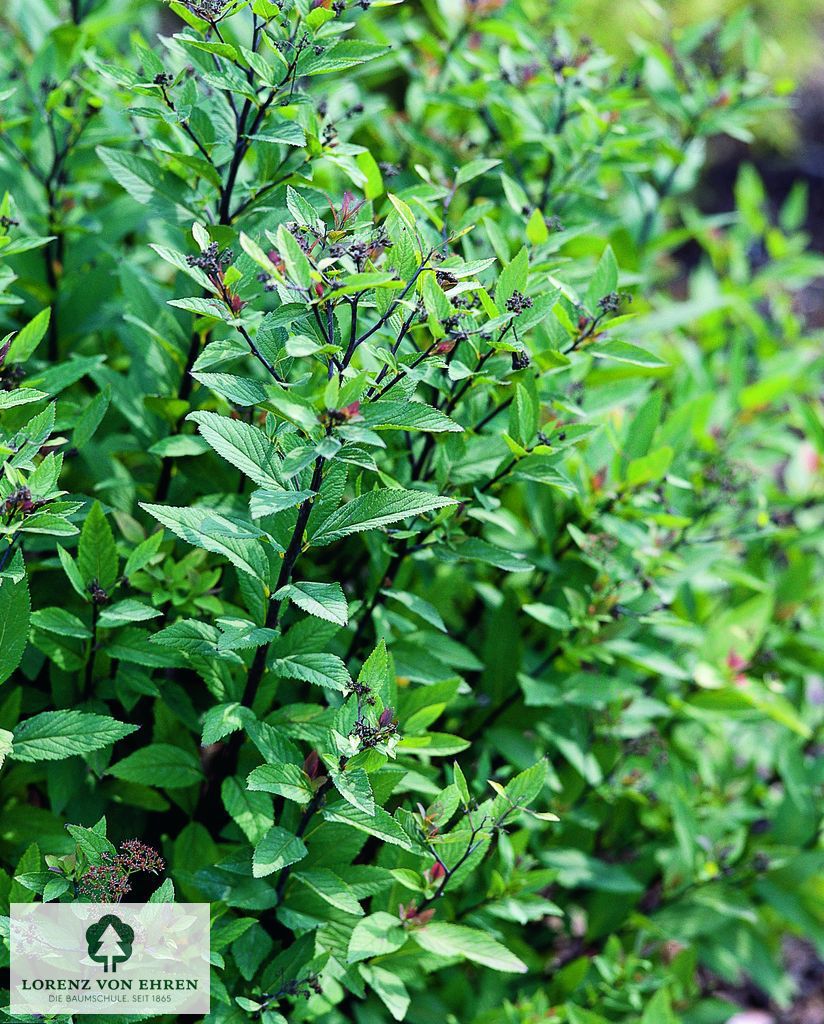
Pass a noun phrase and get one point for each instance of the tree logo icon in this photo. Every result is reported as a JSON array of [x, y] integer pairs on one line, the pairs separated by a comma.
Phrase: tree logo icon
[[109, 942]]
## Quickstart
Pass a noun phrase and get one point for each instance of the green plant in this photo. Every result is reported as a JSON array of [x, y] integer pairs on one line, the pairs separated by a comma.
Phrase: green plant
[[437, 508]]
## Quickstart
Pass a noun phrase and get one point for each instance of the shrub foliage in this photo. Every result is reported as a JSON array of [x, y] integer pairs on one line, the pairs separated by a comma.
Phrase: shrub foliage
[[410, 506]]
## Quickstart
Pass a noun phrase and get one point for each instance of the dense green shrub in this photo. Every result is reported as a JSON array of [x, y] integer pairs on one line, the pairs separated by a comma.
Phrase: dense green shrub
[[411, 506]]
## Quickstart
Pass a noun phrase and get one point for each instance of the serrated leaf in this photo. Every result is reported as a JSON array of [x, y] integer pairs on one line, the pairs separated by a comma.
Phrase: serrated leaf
[[456, 940], [58, 620], [380, 823], [159, 764], [407, 416], [276, 850], [15, 611], [376, 935], [244, 446], [213, 532], [286, 780], [96, 551], [243, 391], [251, 812], [53, 735], [319, 668], [375, 509], [323, 600], [354, 786], [331, 888], [222, 720]]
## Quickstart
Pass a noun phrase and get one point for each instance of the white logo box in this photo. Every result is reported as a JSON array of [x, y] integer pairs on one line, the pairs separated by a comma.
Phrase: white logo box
[[109, 958]]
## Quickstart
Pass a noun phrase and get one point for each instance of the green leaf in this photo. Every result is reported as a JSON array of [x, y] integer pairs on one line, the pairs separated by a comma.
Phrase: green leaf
[[251, 812], [96, 552], [380, 823], [555, 618], [331, 888], [354, 786], [159, 764], [245, 447], [604, 280], [474, 169], [286, 133], [276, 850], [58, 620], [214, 308], [5, 745], [407, 416], [324, 600], [15, 611], [164, 893], [348, 53], [72, 572], [268, 502], [93, 843], [53, 735], [390, 989], [141, 178], [242, 391], [213, 532], [20, 396], [314, 667], [222, 720], [297, 265], [286, 780], [376, 935], [650, 467], [623, 352], [377, 508], [27, 340], [455, 940], [188, 636], [512, 278], [428, 612], [128, 610]]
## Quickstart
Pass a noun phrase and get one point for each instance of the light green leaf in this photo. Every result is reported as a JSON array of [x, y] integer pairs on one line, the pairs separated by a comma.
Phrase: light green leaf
[[376, 935], [243, 391], [27, 340], [555, 618], [512, 278], [297, 265], [58, 620], [623, 352], [222, 720], [456, 940]]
